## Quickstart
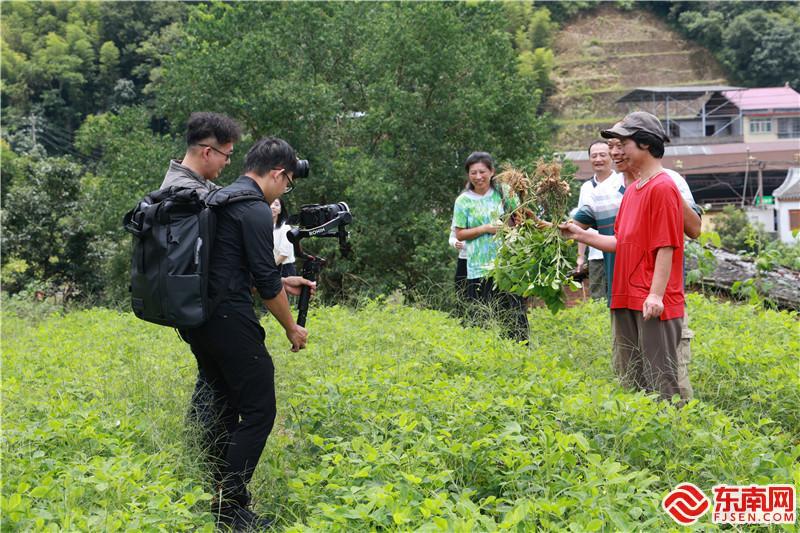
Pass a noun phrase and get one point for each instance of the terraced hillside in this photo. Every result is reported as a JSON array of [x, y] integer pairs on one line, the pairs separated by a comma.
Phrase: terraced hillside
[[603, 54]]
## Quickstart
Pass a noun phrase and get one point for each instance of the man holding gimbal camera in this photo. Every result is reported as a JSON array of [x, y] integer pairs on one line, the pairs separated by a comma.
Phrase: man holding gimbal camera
[[229, 347]]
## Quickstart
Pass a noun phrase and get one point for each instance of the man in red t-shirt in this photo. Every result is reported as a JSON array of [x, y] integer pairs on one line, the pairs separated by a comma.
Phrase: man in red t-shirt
[[647, 302]]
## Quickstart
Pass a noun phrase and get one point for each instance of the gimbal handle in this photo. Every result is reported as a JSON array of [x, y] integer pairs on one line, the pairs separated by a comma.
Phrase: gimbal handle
[[311, 267]]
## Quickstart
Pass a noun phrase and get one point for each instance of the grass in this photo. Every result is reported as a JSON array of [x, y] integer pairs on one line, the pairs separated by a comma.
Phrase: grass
[[584, 121], [616, 57], [396, 418]]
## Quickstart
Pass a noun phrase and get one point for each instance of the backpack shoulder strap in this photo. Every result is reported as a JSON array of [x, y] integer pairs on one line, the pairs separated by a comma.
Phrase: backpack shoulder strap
[[222, 197]]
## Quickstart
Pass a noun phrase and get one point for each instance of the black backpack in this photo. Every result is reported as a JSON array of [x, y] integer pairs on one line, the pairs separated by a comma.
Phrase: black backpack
[[173, 233]]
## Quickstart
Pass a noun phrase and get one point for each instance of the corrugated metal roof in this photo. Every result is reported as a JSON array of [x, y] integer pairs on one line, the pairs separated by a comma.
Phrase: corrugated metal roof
[[764, 98], [688, 92]]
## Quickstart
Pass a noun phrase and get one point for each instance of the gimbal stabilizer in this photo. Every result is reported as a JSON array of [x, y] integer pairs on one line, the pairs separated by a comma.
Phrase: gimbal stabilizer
[[327, 221]]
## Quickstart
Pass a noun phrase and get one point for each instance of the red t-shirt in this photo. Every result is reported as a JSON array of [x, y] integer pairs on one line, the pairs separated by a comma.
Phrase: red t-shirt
[[649, 218]]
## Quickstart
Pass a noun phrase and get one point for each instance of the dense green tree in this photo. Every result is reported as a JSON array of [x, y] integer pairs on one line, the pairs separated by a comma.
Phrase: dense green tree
[[127, 161], [13, 166], [129, 24], [540, 29], [758, 42], [63, 60], [537, 66], [763, 47], [108, 66], [46, 233], [737, 233], [385, 99]]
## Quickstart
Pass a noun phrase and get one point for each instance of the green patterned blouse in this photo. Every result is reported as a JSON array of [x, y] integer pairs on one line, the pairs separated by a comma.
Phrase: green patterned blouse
[[472, 210]]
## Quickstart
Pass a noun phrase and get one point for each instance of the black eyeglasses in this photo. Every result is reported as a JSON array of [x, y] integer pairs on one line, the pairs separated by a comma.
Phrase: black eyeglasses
[[227, 155], [290, 187]]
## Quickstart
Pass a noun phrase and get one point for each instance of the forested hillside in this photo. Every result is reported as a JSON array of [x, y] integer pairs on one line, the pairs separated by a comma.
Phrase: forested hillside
[[384, 99]]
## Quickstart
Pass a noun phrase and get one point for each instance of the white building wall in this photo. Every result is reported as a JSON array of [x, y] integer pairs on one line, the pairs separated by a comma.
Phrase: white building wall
[[763, 136], [784, 232], [763, 216]]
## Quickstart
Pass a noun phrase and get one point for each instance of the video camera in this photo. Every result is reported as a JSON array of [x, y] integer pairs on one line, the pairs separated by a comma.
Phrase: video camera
[[301, 168], [315, 220]]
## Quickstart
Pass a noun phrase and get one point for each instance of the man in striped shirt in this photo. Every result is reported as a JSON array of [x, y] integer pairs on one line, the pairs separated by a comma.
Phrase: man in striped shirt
[[600, 157]]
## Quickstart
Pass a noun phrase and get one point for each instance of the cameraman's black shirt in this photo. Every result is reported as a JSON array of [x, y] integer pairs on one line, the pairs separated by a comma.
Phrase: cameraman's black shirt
[[243, 250]]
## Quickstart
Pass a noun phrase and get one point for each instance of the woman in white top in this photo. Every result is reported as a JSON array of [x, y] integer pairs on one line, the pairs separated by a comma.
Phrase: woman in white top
[[283, 249], [461, 265]]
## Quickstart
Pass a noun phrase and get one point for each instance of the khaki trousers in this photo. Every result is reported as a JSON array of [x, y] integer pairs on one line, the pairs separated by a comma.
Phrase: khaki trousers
[[597, 279], [646, 352], [685, 357]]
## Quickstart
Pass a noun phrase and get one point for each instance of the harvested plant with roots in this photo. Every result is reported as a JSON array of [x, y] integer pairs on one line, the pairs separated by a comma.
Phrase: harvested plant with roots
[[533, 259]]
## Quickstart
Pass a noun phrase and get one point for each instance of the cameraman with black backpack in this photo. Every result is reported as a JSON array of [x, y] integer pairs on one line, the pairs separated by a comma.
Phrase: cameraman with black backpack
[[229, 347], [209, 145]]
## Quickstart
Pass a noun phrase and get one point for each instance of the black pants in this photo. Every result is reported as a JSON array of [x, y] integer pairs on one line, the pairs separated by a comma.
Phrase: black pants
[[509, 308], [202, 411], [231, 355], [461, 279]]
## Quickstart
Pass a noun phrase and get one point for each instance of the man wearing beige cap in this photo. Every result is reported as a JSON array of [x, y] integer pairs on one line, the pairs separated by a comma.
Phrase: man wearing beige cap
[[647, 290]]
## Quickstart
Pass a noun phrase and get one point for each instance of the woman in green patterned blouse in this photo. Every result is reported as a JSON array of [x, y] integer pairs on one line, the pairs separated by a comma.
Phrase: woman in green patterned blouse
[[477, 215]]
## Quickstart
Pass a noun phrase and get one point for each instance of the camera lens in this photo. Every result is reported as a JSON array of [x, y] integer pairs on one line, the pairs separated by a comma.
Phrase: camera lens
[[301, 168]]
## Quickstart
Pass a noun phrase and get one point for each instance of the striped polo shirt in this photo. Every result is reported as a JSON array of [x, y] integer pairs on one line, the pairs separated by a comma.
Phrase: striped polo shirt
[[601, 208]]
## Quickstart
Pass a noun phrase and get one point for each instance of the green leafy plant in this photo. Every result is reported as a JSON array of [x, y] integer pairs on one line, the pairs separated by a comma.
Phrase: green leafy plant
[[700, 253], [533, 259], [405, 421]]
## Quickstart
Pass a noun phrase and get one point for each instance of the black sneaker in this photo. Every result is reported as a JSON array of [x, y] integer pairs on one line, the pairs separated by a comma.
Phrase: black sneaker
[[237, 518]]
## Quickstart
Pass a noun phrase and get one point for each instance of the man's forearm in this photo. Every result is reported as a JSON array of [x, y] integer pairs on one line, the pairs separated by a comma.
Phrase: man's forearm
[[606, 243], [581, 224], [661, 271], [691, 221], [279, 307]]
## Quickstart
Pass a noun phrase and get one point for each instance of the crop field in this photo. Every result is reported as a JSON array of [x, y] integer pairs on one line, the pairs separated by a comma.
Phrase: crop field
[[396, 418]]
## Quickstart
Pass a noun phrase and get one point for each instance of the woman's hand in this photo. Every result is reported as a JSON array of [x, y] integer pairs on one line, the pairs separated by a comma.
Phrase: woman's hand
[[491, 228], [468, 234]]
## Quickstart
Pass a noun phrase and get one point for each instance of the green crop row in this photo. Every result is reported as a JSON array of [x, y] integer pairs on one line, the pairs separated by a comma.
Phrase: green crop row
[[396, 418], [746, 361]]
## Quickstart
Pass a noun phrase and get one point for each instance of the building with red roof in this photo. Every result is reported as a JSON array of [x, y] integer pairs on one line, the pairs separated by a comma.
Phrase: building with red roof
[[767, 114], [734, 145]]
